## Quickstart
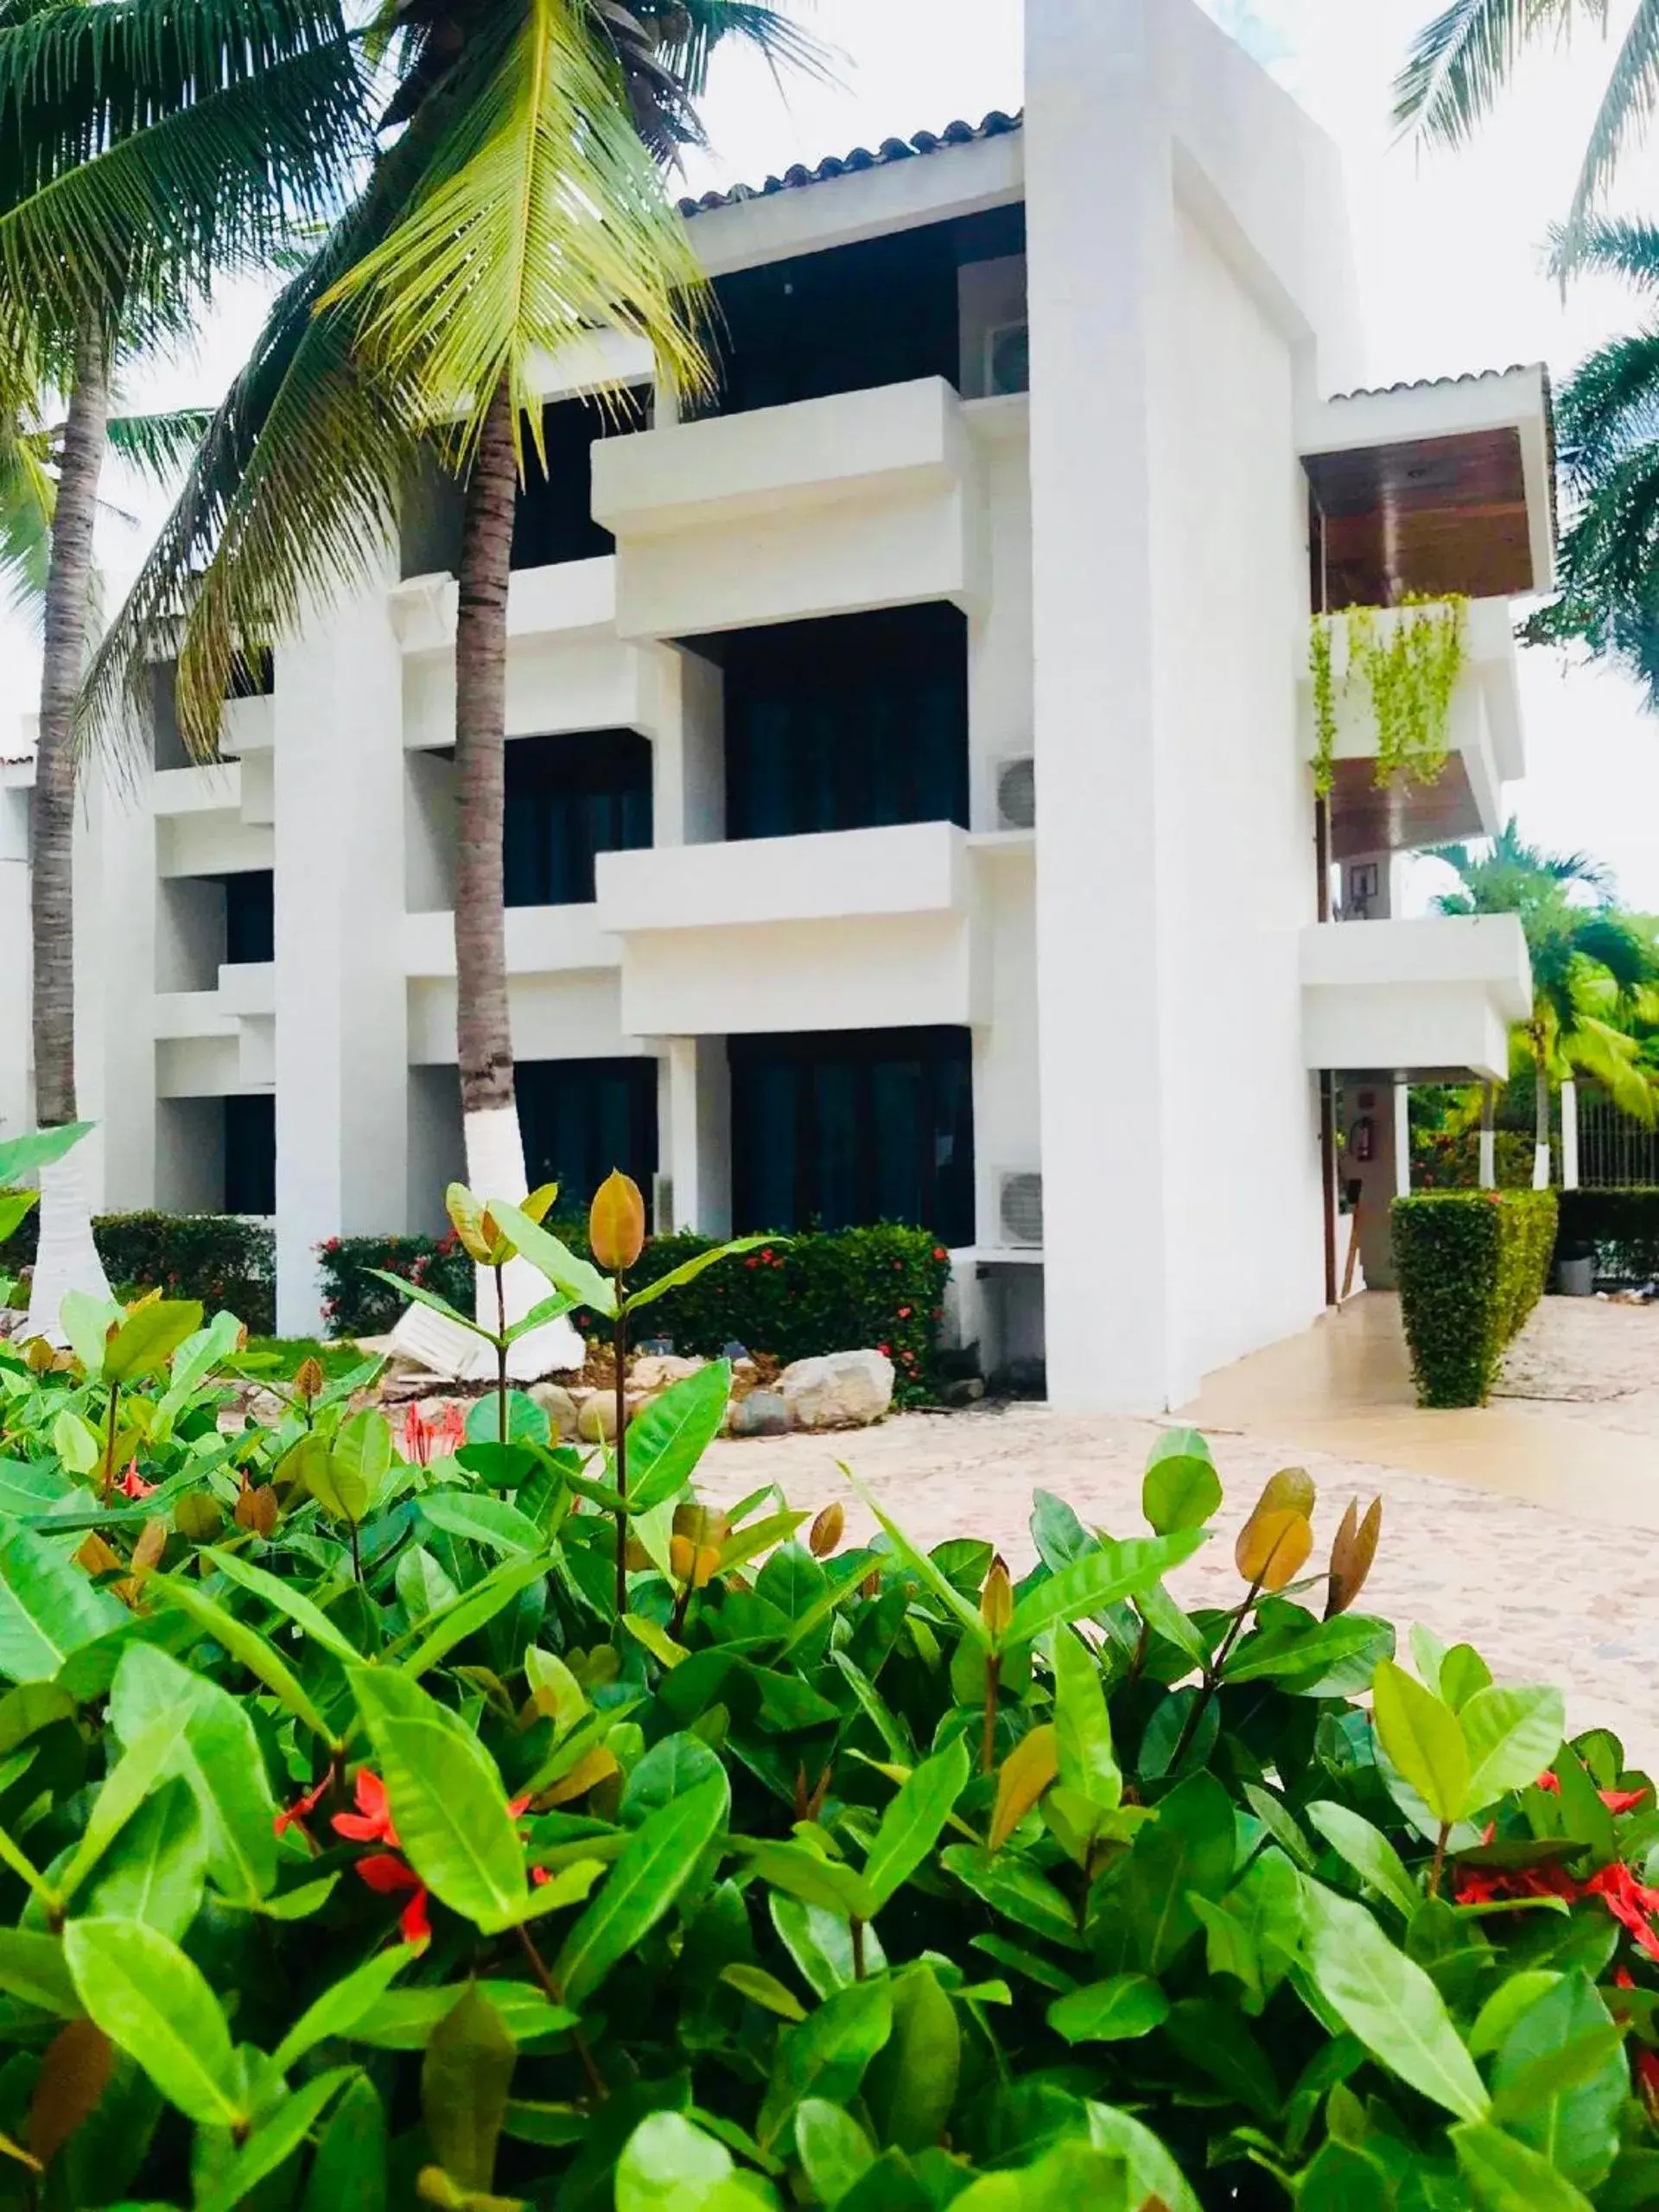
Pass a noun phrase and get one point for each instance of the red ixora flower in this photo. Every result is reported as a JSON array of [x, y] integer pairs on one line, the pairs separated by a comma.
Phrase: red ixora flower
[[133, 1484], [1631, 1901], [939, 1252], [1616, 1801], [425, 1440], [886, 1350], [388, 1873]]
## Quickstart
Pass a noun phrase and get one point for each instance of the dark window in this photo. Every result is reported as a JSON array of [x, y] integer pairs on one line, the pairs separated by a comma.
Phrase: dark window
[[568, 798], [582, 1118], [884, 311], [553, 520], [250, 916], [849, 1126], [251, 1154], [847, 723]]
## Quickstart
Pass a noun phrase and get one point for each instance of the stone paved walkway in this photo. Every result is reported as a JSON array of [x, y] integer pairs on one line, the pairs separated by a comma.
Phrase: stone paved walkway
[[1556, 1584]]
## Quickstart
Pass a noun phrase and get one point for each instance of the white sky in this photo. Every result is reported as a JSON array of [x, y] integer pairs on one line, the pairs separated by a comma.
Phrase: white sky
[[1449, 247]]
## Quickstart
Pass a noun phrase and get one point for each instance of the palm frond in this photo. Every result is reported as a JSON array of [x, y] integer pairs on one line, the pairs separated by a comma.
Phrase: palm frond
[[1627, 106], [1610, 245], [1460, 61], [1609, 408], [540, 216], [158, 446], [27, 497]]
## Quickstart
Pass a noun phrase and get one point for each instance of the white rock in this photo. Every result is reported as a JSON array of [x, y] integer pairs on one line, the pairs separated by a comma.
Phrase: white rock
[[841, 1389], [657, 1371], [558, 1405]]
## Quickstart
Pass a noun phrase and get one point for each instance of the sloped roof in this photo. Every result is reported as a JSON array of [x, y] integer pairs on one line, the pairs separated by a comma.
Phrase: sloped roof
[[1448, 384], [996, 124]]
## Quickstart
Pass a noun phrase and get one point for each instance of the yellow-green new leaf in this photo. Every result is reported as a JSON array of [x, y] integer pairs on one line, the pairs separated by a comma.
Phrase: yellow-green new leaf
[[1422, 1739], [1025, 1774], [914, 1821], [1512, 1736], [144, 1344], [1099, 1579], [1082, 1725], [156, 2005]]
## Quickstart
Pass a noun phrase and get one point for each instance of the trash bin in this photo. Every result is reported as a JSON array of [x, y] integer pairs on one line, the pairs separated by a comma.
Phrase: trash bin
[[1576, 1274]]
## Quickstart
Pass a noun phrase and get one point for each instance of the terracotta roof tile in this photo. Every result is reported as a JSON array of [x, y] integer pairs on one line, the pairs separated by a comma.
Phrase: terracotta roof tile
[[996, 124]]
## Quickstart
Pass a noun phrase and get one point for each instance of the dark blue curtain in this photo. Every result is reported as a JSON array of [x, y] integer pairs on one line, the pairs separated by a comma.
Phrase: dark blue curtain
[[569, 798], [250, 916], [251, 1154], [838, 1129], [582, 1118]]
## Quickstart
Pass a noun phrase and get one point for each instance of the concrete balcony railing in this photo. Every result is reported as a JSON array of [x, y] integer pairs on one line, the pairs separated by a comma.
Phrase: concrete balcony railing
[[823, 507], [1486, 746], [852, 930], [1434, 996], [541, 941], [561, 599]]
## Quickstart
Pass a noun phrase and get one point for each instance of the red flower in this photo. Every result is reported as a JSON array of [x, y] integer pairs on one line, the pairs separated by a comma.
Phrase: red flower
[[425, 1440], [301, 1809], [387, 1872], [903, 1312], [1616, 1801], [886, 1350], [767, 1255], [1631, 1901], [133, 1484], [751, 1261], [939, 1252]]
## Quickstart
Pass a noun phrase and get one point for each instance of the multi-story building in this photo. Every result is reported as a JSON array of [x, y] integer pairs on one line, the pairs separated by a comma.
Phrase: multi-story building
[[910, 803]]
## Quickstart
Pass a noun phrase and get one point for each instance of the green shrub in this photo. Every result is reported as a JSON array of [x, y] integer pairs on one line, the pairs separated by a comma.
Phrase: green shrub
[[1471, 1265], [221, 1259], [807, 1876], [1621, 1227], [841, 1291], [1441, 1161]]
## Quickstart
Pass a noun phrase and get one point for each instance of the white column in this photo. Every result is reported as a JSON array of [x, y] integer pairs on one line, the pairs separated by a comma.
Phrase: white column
[[16, 1086], [1488, 1140], [1094, 140], [1402, 1138], [1569, 1135], [341, 1031], [696, 1151]]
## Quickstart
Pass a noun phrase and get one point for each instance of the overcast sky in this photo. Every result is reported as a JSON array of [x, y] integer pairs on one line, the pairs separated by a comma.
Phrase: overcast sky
[[1450, 250]]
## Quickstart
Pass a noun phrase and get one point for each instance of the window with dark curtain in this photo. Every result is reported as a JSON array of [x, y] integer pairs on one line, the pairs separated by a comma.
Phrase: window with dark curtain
[[250, 916], [883, 311], [844, 1128], [553, 518], [847, 723], [251, 1154], [582, 1118], [568, 799]]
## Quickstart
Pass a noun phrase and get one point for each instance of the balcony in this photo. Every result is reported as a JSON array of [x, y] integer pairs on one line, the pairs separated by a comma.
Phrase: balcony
[[1485, 748], [856, 929], [1434, 998], [824, 507], [541, 941]]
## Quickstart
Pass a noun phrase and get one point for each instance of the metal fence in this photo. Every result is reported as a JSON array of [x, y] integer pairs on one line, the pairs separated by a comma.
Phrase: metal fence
[[1616, 1151]]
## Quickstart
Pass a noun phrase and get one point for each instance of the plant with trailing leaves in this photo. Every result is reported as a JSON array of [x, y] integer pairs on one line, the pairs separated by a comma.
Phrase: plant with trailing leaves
[[359, 1848]]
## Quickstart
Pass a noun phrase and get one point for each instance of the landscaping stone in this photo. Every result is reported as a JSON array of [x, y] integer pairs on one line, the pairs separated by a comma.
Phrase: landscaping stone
[[763, 1413], [966, 1392], [596, 1418], [841, 1389], [266, 1409], [657, 1370], [557, 1402]]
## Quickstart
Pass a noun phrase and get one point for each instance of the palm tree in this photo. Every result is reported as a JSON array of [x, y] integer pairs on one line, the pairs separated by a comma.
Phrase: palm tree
[[1461, 61], [143, 147], [1593, 970], [520, 205]]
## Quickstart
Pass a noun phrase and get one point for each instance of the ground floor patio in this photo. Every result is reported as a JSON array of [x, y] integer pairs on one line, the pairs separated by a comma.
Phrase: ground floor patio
[[1529, 1528]]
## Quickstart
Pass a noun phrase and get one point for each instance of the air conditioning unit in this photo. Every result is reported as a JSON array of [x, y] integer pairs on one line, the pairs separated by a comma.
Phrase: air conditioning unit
[[1016, 793], [1007, 359], [662, 1205], [1019, 1207]]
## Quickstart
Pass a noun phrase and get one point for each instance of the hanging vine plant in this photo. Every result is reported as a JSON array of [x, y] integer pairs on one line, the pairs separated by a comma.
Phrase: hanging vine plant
[[1408, 667]]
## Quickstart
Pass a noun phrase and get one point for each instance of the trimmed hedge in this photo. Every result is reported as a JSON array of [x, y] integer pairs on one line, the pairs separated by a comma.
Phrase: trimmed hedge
[[1441, 1161], [1622, 1227], [830, 1291], [1471, 1265], [221, 1259]]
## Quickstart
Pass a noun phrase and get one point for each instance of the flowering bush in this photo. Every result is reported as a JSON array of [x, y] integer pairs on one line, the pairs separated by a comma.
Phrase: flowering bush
[[222, 1260]]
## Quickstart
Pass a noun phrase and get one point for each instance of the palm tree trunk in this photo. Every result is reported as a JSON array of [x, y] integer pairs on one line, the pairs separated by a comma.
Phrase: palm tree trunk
[[495, 1157], [1541, 1174], [67, 1259]]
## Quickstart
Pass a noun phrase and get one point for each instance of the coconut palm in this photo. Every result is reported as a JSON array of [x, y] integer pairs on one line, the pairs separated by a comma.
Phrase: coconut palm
[[1461, 60], [1592, 971], [142, 149], [519, 206]]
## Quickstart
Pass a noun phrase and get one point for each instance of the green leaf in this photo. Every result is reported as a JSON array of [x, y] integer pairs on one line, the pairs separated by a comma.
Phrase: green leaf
[[1462, 1672], [1561, 2080], [88, 1322], [488, 1521], [1097, 1579], [1506, 2005], [1187, 1849], [465, 2080], [527, 1423], [339, 2008], [1063, 2177], [286, 1598], [654, 1865], [403, 2019], [807, 1875], [1389, 2003], [218, 1757], [670, 2165], [148, 1339], [1083, 1726], [421, 1296], [668, 1436], [820, 1941], [48, 1609], [914, 1821], [911, 2085], [1015, 1890], [939, 1586], [579, 1280], [129, 1782], [1504, 2176], [156, 2005], [1368, 1851], [156, 1869], [1181, 1488], [77, 1443], [1153, 2172], [278, 2136], [834, 2150], [21, 1156], [1115, 2011], [33, 1969], [359, 1460], [1513, 1735], [1423, 1740], [763, 1988], [472, 1609], [690, 1269], [826, 2055], [348, 2173], [446, 1800], [257, 1653]]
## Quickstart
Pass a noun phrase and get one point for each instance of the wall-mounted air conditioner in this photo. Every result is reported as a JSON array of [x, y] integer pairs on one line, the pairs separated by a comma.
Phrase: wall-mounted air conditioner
[[1007, 359], [1016, 793], [1019, 1208]]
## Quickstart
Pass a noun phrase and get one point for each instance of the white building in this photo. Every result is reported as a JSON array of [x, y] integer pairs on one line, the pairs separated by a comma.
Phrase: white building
[[911, 806]]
